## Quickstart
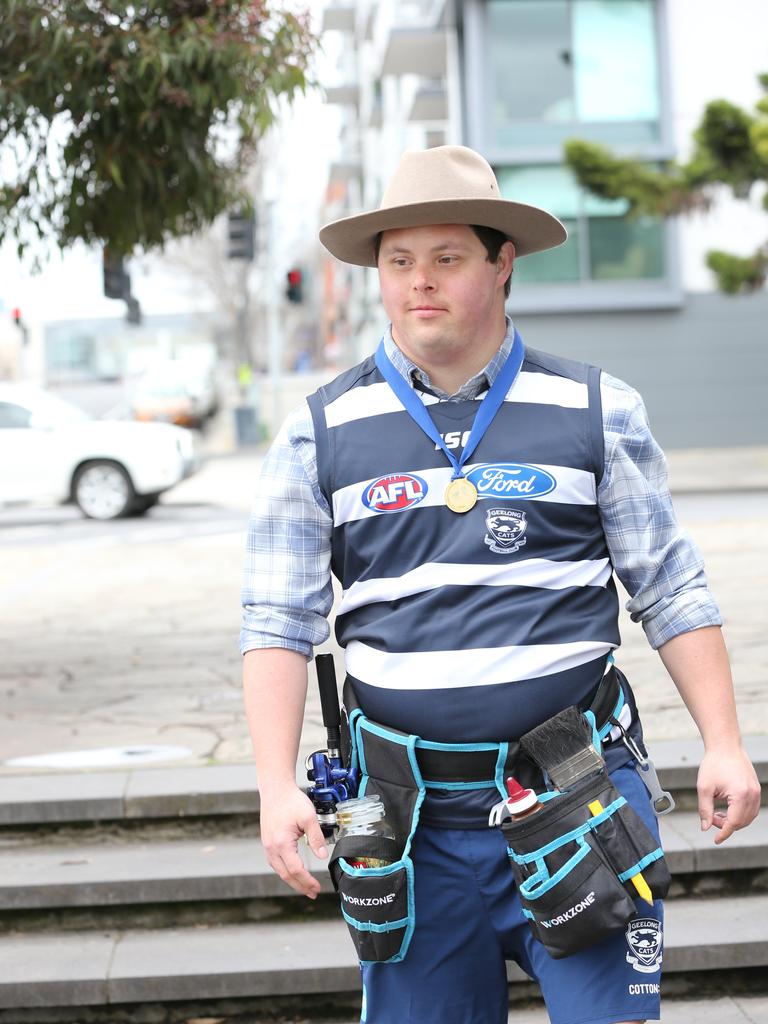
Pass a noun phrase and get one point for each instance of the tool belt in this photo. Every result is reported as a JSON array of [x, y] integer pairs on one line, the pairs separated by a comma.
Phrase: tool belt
[[378, 903]]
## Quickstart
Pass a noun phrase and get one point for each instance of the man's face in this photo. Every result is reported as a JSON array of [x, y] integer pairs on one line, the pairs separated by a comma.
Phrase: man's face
[[440, 291]]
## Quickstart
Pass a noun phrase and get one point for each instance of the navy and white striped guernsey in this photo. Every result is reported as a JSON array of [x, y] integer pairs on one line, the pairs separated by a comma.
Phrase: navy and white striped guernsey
[[477, 626]]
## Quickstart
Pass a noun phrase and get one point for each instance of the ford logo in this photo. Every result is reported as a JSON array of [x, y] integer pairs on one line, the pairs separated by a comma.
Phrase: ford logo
[[511, 480]]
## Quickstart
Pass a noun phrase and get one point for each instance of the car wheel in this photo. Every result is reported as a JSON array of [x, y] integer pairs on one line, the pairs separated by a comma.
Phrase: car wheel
[[103, 490]]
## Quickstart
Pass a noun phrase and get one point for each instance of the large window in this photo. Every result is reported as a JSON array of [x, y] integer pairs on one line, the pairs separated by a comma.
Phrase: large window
[[603, 245], [72, 355], [538, 72], [562, 67]]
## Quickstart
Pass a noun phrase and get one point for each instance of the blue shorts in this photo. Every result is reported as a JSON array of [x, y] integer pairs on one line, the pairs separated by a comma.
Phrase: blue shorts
[[469, 922]]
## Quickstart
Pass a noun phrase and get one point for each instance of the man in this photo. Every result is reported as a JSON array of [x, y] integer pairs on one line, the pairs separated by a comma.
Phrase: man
[[475, 546]]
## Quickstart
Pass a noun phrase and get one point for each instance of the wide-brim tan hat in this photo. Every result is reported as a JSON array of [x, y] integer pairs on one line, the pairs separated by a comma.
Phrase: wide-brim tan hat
[[444, 185]]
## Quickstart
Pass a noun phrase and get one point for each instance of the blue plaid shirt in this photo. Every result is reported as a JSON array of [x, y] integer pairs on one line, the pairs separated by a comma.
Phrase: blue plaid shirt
[[287, 593]]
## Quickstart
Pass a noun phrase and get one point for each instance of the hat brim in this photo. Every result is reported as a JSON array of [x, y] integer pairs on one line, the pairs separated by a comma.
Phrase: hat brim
[[352, 239]]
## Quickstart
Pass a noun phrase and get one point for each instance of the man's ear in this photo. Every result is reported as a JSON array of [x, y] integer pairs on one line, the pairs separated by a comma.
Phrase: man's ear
[[506, 258]]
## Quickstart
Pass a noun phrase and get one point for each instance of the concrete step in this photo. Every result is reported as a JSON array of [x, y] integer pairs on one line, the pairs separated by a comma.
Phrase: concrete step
[[725, 1010], [74, 969], [111, 874], [50, 799], [689, 850], [108, 875]]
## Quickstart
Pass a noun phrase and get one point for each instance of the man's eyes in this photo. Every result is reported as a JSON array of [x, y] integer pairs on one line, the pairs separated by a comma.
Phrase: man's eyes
[[403, 261]]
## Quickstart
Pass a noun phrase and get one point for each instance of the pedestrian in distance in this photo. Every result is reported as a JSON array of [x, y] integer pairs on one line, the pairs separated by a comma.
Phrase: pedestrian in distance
[[475, 498]]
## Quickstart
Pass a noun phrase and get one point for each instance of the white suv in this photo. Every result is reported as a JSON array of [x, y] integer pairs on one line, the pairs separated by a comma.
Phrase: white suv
[[50, 450]]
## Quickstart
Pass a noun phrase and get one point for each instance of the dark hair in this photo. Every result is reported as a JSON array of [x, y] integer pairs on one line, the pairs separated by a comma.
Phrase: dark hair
[[491, 239]]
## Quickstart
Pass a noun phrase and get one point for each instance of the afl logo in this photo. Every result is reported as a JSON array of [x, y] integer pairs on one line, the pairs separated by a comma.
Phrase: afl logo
[[394, 493]]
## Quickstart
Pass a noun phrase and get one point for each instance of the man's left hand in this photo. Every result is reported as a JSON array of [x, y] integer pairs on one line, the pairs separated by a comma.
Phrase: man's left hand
[[728, 776]]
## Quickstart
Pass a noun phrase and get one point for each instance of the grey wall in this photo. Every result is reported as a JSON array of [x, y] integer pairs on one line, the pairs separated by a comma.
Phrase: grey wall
[[702, 370]]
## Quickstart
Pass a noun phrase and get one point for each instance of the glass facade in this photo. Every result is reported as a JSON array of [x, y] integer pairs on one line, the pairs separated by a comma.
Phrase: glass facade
[[560, 68], [603, 245], [549, 70]]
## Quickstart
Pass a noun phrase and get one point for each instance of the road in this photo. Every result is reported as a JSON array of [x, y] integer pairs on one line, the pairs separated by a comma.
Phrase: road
[[175, 519], [126, 633], [64, 524]]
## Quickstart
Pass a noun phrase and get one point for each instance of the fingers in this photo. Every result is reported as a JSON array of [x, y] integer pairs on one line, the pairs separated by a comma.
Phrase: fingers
[[742, 810], [315, 837], [726, 822], [284, 859], [725, 827], [706, 805], [731, 778], [283, 827], [291, 869], [296, 873]]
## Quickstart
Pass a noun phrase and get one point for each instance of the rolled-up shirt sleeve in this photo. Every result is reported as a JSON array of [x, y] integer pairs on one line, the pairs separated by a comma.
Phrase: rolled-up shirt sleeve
[[656, 560], [287, 592]]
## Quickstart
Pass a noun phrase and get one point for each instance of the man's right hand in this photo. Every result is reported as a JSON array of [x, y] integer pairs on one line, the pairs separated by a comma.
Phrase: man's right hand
[[285, 817]]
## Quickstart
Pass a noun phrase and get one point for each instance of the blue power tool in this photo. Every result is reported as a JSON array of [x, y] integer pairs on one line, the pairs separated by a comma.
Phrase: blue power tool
[[331, 781]]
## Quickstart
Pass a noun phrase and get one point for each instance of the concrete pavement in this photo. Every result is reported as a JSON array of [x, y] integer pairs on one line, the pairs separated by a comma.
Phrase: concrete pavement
[[126, 634]]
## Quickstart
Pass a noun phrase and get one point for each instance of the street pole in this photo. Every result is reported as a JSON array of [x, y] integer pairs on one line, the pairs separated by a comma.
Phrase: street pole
[[243, 321], [247, 412], [274, 327]]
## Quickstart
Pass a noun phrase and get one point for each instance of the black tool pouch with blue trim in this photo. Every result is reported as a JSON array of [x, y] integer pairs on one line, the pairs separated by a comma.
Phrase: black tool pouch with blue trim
[[574, 868], [378, 903]]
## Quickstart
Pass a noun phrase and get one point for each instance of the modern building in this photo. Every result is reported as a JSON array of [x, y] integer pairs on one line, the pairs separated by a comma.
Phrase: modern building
[[514, 79]]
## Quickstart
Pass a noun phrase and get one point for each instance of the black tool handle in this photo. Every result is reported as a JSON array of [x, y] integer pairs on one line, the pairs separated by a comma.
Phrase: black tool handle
[[329, 699]]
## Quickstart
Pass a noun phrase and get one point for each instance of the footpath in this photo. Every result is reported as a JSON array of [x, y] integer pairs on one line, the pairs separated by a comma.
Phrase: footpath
[[135, 889], [127, 635]]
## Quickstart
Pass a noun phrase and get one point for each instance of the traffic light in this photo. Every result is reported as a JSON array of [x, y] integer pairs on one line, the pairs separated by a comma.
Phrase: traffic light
[[19, 321], [117, 281], [241, 236], [294, 289]]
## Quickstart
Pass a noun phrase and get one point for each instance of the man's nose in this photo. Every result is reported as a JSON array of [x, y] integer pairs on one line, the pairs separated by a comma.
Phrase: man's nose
[[422, 279]]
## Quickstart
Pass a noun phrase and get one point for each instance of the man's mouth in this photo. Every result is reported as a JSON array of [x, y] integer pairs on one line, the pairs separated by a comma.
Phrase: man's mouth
[[426, 311]]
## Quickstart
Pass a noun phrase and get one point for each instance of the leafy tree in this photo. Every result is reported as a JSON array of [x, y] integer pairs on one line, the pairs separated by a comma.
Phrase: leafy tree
[[129, 122], [730, 149]]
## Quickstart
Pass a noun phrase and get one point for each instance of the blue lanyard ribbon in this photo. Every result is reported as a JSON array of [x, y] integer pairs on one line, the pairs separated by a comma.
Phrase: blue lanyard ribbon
[[485, 414]]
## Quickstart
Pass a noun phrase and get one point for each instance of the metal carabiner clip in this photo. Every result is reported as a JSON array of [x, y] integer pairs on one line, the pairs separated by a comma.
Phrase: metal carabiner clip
[[662, 800]]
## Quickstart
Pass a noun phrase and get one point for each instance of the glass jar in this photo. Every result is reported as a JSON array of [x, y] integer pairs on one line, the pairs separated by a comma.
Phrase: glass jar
[[364, 816]]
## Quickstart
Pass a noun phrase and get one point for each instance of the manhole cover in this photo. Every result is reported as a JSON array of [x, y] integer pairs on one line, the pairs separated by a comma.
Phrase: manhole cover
[[102, 757]]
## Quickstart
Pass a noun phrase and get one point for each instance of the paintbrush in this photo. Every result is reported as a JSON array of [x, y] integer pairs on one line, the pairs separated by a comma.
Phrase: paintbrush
[[562, 746]]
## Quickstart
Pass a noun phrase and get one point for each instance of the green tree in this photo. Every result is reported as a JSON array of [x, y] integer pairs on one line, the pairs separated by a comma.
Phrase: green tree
[[129, 122], [730, 149]]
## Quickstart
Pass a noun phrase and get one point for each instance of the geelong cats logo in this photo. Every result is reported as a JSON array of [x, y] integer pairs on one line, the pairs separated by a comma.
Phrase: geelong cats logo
[[505, 527], [644, 941]]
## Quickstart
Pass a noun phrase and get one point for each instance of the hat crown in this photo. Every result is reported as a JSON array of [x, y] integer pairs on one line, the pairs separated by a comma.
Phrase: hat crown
[[441, 173]]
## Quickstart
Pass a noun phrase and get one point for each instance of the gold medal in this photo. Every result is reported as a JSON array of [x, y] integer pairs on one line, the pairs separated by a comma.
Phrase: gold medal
[[460, 495]]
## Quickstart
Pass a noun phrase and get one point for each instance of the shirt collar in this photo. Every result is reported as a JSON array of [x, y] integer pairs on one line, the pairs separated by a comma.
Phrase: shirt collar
[[471, 389]]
